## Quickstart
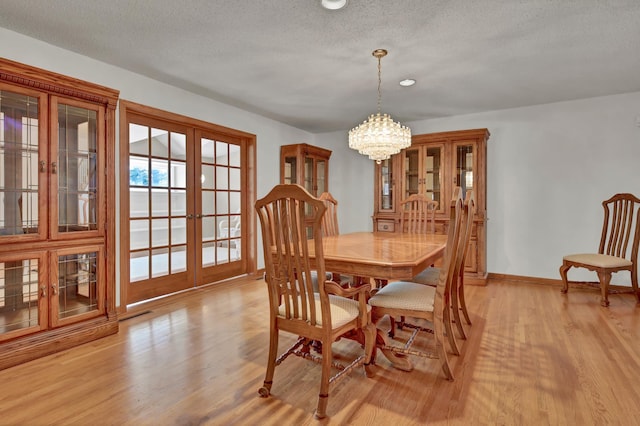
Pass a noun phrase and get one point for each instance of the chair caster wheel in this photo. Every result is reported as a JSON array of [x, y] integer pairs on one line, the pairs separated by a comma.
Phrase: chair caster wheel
[[264, 392]]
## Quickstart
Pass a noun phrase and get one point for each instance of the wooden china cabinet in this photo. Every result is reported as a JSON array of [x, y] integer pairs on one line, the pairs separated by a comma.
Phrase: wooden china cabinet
[[434, 165], [57, 287], [306, 165]]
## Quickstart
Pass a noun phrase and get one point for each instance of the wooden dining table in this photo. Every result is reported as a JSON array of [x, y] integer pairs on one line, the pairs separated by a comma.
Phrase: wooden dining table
[[382, 256]]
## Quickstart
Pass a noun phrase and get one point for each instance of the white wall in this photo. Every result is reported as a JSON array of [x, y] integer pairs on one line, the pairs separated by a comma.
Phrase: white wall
[[549, 168]]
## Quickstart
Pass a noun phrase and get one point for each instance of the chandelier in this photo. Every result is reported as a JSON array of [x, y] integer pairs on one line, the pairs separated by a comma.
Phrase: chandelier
[[379, 137]]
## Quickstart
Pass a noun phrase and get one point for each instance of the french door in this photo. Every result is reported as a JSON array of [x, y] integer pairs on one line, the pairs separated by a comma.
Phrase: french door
[[185, 207]]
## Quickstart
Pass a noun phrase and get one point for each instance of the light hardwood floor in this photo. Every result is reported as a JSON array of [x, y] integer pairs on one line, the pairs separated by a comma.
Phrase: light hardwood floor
[[534, 357]]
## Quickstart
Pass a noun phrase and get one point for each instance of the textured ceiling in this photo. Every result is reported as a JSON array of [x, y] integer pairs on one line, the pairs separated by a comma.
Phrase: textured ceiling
[[312, 68]]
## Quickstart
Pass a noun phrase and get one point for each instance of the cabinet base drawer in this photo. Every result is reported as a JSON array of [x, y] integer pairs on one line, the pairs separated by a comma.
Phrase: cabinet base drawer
[[385, 226]]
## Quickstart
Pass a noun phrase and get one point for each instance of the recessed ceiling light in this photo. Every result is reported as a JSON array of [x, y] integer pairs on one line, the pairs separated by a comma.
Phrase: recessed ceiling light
[[407, 82], [334, 4]]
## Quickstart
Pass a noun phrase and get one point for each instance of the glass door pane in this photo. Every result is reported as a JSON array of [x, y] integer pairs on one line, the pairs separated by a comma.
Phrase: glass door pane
[[23, 304], [386, 187], [19, 164], [158, 219], [220, 203], [411, 173], [464, 167], [309, 175], [321, 183], [432, 178], [290, 164], [76, 167], [77, 288]]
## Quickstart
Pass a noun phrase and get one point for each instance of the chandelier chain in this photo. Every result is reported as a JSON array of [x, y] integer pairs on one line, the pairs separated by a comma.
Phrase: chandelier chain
[[379, 84]]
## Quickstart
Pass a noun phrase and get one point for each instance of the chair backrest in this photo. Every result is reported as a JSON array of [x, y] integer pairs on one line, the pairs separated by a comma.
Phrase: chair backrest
[[330, 218], [418, 215], [442, 301], [286, 253], [468, 214], [621, 227]]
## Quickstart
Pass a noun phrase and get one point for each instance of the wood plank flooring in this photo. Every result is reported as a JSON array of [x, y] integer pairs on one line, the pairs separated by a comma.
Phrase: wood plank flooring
[[533, 357]]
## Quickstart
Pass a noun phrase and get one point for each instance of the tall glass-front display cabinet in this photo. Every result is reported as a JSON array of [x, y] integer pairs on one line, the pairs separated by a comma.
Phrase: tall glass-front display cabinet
[[306, 165], [55, 186], [434, 165]]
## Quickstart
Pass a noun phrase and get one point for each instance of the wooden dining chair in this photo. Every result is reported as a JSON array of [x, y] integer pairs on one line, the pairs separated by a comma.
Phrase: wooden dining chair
[[330, 218], [418, 214], [431, 275], [618, 246], [294, 307], [433, 304], [330, 228]]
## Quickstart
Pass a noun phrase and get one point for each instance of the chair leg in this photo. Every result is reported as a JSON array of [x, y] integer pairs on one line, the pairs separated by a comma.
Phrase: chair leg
[[456, 309], [563, 274], [448, 328], [605, 279], [265, 390], [392, 329], [323, 396], [463, 304], [634, 284], [440, 350]]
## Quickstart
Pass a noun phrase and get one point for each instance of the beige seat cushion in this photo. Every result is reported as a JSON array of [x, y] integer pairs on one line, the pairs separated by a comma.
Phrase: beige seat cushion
[[404, 295], [429, 276], [343, 310], [598, 260]]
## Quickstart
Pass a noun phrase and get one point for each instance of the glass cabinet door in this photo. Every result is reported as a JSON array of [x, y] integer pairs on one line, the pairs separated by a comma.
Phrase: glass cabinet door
[[411, 173], [76, 285], [75, 166], [21, 160], [23, 294], [309, 175], [290, 170], [321, 176], [385, 200], [432, 177], [464, 167]]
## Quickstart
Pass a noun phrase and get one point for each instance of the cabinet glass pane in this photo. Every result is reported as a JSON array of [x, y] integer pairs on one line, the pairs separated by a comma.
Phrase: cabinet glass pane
[[322, 187], [464, 167], [308, 175], [77, 284], [432, 173], [411, 173], [18, 164], [76, 168], [18, 295], [290, 165], [386, 190]]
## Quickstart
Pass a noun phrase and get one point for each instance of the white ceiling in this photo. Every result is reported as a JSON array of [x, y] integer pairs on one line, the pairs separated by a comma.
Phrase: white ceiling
[[312, 68]]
